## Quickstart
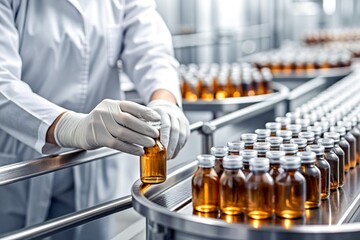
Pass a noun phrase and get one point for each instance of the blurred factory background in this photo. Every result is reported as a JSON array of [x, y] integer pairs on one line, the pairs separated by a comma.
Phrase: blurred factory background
[[206, 31]]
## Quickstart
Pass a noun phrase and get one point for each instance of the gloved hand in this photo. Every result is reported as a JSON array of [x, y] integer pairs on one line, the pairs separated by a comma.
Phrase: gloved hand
[[113, 124], [174, 126]]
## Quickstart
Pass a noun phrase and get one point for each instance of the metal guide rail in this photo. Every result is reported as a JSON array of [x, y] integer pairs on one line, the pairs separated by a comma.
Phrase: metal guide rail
[[169, 214]]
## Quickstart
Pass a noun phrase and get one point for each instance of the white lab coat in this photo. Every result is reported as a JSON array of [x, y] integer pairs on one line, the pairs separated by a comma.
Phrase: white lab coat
[[58, 55]]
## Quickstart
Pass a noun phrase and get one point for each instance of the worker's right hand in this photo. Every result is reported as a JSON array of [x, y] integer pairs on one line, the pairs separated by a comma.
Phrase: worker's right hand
[[113, 124]]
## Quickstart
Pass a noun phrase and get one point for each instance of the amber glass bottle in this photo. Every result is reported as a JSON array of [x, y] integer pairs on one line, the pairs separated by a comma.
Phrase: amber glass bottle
[[316, 130], [267, 80], [205, 185], [262, 134], [274, 158], [295, 129], [285, 134], [293, 116], [273, 127], [262, 148], [290, 189], [247, 156], [153, 162], [289, 149], [206, 89], [325, 127], [259, 190], [356, 132], [284, 121], [324, 168], [249, 139], [352, 141], [232, 186], [246, 84], [235, 147], [344, 145], [304, 122], [339, 153], [301, 143], [309, 136], [275, 143], [189, 88], [313, 179], [332, 159], [219, 153]]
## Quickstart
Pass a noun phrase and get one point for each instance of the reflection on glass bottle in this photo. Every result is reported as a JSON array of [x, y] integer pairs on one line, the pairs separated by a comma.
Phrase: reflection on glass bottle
[[232, 186], [214, 215], [258, 223], [335, 203], [233, 218], [290, 189], [205, 185], [259, 190], [289, 223]]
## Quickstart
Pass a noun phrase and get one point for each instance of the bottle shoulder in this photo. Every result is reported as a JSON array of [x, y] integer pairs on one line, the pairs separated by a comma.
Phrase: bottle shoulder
[[290, 177]]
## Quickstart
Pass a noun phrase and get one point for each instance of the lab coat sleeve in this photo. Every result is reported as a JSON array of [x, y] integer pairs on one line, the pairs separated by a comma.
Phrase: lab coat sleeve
[[23, 114], [147, 51]]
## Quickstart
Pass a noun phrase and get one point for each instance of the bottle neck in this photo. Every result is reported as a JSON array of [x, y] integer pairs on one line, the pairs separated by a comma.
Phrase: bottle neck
[[290, 170], [308, 164], [258, 172], [327, 150]]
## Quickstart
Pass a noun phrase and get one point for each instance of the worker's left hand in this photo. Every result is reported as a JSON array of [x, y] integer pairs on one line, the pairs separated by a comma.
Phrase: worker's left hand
[[174, 126]]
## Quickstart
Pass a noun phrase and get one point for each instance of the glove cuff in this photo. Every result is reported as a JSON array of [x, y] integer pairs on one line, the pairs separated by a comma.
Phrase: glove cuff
[[65, 129]]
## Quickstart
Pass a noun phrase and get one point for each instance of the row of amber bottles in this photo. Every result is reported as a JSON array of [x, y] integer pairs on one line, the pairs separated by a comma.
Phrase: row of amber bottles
[[209, 82], [234, 193], [302, 60], [332, 35], [322, 174]]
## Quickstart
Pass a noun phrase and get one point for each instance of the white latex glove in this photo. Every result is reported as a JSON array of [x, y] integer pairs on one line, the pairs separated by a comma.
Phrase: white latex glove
[[114, 124], [174, 126]]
